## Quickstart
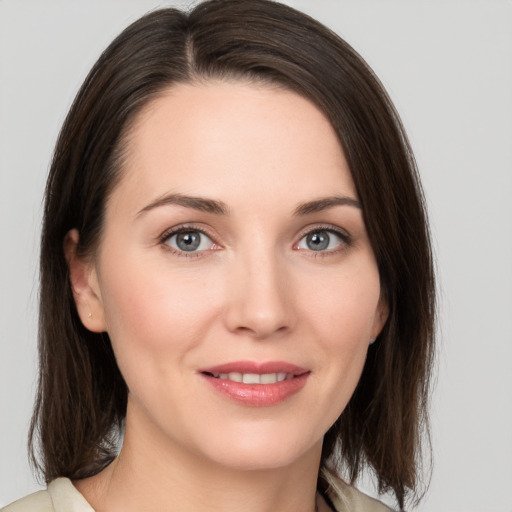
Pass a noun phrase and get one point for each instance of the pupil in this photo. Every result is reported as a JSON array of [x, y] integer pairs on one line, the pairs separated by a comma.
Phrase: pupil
[[188, 241], [318, 241]]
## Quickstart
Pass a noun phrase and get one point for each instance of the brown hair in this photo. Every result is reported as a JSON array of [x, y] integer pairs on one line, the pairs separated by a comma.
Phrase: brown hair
[[81, 400]]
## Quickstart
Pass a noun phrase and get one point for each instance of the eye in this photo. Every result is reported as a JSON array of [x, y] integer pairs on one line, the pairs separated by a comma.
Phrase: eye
[[189, 240], [322, 240]]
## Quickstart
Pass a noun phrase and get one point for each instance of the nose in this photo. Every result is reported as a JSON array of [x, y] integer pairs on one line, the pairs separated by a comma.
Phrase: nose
[[259, 302]]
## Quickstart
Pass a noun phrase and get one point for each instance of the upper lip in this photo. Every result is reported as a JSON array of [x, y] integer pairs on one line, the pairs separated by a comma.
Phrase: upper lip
[[255, 367]]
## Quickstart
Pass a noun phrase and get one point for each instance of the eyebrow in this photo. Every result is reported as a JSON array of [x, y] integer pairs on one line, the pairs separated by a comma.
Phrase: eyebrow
[[325, 203], [196, 203], [219, 208]]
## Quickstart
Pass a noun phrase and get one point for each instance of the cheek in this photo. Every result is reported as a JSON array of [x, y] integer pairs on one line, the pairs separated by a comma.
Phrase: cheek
[[156, 312], [343, 314], [344, 306]]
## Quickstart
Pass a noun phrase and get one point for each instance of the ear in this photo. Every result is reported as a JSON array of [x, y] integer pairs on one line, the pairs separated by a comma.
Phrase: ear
[[84, 284], [381, 317]]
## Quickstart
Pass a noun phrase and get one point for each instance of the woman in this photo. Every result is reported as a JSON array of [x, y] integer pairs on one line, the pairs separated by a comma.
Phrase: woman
[[236, 275]]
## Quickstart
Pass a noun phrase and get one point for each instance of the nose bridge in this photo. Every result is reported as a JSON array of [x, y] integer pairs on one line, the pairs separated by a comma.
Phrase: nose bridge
[[259, 303]]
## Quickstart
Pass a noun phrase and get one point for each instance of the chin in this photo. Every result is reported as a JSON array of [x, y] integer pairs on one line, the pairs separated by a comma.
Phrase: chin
[[260, 453]]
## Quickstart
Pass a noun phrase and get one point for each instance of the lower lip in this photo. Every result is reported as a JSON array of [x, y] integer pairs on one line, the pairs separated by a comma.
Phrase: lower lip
[[258, 395]]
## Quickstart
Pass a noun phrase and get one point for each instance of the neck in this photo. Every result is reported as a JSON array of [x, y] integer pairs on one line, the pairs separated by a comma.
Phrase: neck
[[150, 474]]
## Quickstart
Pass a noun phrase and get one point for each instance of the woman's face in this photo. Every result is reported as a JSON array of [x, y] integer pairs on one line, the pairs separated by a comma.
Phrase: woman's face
[[234, 249]]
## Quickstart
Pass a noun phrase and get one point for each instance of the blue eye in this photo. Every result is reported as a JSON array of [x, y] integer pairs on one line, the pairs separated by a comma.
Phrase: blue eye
[[321, 240], [189, 240]]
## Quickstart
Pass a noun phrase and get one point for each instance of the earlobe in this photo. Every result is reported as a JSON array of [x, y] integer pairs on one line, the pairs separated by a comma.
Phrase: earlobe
[[84, 285], [381, 317]]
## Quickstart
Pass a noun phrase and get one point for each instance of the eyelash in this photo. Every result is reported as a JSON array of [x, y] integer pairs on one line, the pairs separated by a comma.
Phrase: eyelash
[[164, 238], [345, 243], [346, 240]]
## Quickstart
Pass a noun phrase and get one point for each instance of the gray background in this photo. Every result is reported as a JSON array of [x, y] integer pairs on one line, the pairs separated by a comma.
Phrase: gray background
[[447, 65]]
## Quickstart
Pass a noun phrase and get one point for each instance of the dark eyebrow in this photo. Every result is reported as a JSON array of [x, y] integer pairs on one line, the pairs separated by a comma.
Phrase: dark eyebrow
[[197, 203], [325, 203]]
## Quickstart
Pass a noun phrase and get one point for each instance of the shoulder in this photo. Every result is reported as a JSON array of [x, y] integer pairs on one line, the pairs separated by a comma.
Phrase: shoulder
[[37, 502], [61, 496], [347, 498]]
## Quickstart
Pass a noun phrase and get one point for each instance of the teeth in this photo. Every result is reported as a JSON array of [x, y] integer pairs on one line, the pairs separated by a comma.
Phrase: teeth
[[253, 378], [268, 378]]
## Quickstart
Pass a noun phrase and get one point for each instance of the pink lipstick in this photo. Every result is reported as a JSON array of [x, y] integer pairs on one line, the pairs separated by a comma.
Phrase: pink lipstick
[[256, 384]]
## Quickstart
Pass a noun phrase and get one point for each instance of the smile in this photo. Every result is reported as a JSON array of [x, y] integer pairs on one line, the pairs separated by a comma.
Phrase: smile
[[256, 384]]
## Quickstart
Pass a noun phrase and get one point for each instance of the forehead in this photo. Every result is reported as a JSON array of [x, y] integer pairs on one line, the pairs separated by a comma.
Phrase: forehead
[[205, 138]]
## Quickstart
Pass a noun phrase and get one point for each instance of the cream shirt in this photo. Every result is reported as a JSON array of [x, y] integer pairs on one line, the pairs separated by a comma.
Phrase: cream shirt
[[62, 496]]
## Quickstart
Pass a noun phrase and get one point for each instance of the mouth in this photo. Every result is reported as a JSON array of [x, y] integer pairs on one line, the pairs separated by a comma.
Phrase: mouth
[[256, 384]]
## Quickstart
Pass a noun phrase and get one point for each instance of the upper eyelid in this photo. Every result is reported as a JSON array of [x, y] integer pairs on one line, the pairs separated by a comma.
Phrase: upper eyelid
[[324, 227], [185, 227]]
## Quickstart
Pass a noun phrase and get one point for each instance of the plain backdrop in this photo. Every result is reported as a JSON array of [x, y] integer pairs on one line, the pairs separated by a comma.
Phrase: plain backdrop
[[447, 65]]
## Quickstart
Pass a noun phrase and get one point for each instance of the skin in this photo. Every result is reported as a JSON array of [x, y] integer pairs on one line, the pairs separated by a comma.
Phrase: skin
[[255, 290]]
